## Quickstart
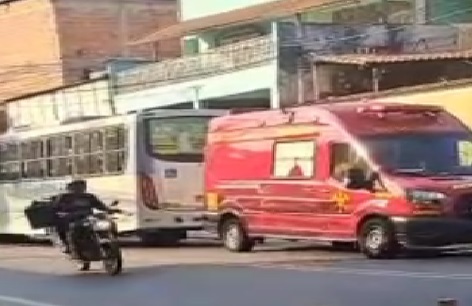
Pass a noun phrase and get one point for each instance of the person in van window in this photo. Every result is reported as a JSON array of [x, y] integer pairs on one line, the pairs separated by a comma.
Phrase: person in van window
[[353, 175], [296, 170]]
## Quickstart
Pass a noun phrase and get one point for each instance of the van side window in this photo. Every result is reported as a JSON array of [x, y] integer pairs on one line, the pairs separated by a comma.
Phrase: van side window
[[343, 158], [294, 159], [464, 149]]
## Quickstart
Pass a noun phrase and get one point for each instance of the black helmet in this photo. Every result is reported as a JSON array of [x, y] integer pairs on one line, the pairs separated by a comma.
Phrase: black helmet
[[77, 184]]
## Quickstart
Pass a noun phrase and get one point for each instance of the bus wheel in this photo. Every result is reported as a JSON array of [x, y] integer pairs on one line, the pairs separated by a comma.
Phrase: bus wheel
[[235, 237], [377, 239]]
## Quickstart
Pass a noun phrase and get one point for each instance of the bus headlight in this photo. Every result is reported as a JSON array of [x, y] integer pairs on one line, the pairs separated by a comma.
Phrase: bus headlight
[[425, 197]]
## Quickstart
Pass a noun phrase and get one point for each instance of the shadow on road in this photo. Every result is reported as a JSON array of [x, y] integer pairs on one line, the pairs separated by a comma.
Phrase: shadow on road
[[267, 247]]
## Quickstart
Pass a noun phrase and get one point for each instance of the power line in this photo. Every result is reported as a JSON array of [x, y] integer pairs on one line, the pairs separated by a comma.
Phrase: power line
[[455, 12]]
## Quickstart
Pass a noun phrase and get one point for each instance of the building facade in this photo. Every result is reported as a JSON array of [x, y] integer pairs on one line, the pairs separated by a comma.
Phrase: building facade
[[49, 43], [260, 55]]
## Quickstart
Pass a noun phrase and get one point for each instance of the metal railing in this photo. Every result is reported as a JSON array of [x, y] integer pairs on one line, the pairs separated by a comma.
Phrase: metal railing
[[223, 59]]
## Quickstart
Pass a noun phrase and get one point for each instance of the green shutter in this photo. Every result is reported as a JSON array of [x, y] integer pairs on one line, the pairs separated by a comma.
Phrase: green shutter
[[449, 11], [191, 46]]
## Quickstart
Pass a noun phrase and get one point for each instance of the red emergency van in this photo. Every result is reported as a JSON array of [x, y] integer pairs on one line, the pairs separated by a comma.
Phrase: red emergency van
[[380, 176]]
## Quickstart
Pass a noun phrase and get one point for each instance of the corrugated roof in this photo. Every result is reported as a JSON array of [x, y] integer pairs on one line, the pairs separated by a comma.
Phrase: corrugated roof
[[255, 13], [366, 59]]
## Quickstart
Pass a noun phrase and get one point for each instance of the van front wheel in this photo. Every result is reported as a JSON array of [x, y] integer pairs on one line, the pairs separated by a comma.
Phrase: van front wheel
[[377, 239], [235, 237]]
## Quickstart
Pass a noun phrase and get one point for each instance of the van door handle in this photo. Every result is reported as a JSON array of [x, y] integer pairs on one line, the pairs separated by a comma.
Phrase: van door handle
[[264, 189], [324, 191]]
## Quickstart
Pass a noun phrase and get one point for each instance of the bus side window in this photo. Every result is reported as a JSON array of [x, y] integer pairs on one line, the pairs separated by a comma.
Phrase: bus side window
[[96, 152], [59, 151], [9, 162], [33, 163], [115, 147]]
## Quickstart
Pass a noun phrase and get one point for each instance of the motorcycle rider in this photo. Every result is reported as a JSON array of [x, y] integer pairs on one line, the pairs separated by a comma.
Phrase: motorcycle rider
[[76, 202]]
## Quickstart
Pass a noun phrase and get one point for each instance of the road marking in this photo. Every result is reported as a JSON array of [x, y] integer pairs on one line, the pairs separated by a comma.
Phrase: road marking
[[22, 302], [371, 272]]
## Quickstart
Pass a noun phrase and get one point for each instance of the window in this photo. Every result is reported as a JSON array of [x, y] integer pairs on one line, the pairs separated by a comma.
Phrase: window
[[59, 155], [9, 162], [191, 46], [294, 159], [115, 144], [464, 147], [177, 139], [89, 153], [92, 152], [423, 153], [343, 158], [33, 163]]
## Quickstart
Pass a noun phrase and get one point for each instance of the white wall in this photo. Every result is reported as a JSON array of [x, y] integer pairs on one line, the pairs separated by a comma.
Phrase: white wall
[[89, 99], [251, 79], [199, 8]]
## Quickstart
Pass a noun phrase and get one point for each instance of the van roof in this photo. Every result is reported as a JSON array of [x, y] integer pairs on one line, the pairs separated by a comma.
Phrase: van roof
[[359, 117]]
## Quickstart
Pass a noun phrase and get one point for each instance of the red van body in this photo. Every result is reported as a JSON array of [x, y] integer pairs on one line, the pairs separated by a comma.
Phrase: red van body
[[380, 176]]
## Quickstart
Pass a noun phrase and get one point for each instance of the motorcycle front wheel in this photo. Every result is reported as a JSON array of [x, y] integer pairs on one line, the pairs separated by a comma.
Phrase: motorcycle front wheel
[[113, 261]]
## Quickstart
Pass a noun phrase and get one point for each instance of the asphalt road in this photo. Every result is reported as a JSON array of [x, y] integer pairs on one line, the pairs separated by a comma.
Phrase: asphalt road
[[346, 280]]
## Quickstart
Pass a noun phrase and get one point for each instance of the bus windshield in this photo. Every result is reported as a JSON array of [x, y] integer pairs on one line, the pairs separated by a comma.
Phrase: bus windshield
[[423, 154], [179, 139]]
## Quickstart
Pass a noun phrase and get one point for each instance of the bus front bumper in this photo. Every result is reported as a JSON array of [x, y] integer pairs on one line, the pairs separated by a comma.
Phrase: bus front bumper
[[432, 231], [211, 221]]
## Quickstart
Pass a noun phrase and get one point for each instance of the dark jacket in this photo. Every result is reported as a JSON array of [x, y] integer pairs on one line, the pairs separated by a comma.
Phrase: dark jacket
[[80, 203]]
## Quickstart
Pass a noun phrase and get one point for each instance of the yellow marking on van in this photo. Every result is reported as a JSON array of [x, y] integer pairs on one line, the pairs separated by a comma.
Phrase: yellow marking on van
[[341, 199], [384, 195], [263, 133], [212, 201]]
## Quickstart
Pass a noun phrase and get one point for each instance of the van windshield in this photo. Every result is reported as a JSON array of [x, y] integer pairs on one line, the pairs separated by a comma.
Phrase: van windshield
[[423, 154]]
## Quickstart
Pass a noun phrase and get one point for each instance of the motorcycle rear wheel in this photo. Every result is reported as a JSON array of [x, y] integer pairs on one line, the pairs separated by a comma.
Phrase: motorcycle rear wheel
[[113, 261]]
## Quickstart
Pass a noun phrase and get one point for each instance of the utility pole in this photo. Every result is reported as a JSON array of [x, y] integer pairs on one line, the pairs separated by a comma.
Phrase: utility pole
[[300, 59], [196, 96], [123, 29]]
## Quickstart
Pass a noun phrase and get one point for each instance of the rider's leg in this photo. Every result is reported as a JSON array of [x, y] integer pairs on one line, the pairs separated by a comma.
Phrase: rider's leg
[[62, 229]]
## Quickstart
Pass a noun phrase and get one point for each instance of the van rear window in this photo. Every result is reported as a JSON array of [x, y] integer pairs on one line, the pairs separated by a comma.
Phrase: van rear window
[[179, 139]]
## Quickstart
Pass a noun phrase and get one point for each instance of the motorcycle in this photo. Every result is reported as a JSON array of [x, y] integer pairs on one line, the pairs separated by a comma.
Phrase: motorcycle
[[93, 238]]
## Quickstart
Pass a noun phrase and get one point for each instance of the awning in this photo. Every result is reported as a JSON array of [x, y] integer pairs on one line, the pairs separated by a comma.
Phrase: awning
[[255, 13], [366, 59]]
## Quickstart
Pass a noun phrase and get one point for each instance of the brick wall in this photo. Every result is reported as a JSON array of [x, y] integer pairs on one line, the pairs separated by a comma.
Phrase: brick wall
[[49, 43], [91, 31], [29, 47]]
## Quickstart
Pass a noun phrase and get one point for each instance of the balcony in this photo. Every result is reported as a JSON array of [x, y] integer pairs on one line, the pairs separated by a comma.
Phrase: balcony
[[236, 56]]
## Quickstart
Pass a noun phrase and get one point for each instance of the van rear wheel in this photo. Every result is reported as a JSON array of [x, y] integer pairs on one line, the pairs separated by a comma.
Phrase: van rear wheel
[[235, 237], [377, 239]]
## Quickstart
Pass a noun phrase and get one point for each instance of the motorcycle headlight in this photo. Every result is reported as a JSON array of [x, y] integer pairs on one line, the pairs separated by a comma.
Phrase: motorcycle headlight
[[102, 225], [425, 197]]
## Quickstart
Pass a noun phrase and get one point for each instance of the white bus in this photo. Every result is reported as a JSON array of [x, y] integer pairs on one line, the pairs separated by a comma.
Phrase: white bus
[[151, 162]]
